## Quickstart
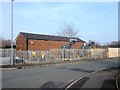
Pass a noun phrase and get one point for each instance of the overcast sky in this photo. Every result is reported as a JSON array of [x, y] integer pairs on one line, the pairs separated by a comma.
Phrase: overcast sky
[[96, 21]]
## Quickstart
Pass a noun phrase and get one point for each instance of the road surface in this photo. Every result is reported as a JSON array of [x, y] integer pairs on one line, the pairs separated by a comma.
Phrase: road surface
[[54, 75]]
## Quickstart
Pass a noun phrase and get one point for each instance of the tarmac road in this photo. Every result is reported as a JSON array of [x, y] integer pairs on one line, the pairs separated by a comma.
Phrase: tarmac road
[[52, 76]]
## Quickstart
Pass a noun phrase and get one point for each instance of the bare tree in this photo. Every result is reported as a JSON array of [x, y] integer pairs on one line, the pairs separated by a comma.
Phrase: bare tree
[[68, 30], [112, 44], [115, 43], [97, 45], [5, 43], [1, 42]]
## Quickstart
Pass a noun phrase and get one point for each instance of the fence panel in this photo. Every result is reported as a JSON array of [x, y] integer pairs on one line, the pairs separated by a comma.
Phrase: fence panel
[[33, 56], [53, 55], [5, 52], [98, 53], [5, 55]]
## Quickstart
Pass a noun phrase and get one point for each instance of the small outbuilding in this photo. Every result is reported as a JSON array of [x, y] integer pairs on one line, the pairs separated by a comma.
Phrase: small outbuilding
[[30, 41]]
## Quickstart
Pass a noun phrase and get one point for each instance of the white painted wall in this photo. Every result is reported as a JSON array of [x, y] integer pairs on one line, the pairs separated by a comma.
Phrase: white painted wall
[[113, 52]]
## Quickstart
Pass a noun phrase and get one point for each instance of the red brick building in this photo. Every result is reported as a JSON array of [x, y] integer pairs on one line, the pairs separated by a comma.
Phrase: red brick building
[[29, 41]]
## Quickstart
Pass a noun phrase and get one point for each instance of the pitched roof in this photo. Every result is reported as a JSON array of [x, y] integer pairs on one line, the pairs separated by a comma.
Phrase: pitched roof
[[48, 37]]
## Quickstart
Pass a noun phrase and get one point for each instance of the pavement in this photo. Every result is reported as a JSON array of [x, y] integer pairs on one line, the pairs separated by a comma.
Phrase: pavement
[[45, 64], [26, 66], [104, 79]]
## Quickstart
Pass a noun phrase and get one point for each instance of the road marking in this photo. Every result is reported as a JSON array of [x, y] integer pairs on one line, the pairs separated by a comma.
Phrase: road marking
[[81, 78], [117, 83]]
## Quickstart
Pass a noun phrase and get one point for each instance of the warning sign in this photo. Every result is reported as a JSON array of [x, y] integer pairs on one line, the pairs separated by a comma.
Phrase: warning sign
[[33, 54], [42, 54]]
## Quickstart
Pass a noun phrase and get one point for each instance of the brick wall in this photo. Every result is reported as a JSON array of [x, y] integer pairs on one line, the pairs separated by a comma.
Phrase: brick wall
[[20, 42], [77, 45], [46, 45], [41, 44]]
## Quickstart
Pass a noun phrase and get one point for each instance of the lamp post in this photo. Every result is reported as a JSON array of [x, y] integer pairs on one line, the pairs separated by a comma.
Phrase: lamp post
[[11, 59]]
